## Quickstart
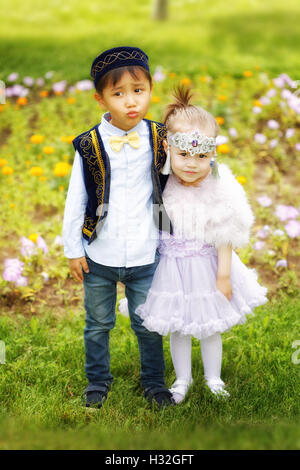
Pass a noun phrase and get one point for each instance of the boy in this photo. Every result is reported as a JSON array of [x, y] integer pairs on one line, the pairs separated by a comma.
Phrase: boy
[[112, 216]]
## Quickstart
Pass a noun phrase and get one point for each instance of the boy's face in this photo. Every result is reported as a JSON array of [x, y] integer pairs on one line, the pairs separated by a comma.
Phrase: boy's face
[[186, 167], [127, 101]]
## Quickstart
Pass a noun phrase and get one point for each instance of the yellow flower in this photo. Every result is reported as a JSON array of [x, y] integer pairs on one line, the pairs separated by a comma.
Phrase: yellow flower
[[149, 116], [223, 148], [3, 162], [11, 205], [61, 169], [220, 120], [66, 157], [247, 73], [33, 237], [22, 100], [61, 188], [37, 139], [48, 150], [68, 138], [155, 99], [185, 81], [241, 179], [44, 93], [36, 171], [7, 170], [203, 79], [27, 162], [222, 98], [71, 100], [257, 67], [257, 103], [43, 179]]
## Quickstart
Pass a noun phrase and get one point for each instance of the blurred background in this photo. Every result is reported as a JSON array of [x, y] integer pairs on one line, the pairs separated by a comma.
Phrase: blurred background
[[223, 36]]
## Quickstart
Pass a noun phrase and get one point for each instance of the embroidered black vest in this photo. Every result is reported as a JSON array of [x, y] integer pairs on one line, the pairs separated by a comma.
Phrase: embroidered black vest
[[96, 172]]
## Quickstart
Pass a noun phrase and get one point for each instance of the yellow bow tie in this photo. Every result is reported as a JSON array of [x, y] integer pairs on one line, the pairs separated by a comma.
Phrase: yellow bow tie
[[116, 142]]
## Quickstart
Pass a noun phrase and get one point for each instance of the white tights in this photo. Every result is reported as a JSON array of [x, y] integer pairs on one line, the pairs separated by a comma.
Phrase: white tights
[[211, 351]]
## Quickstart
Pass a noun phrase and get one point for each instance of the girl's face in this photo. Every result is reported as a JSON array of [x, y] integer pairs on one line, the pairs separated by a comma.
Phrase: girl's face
[[190, 168]]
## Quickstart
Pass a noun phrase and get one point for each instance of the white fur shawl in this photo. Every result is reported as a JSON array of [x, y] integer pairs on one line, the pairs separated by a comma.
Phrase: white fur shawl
[[216, 212]]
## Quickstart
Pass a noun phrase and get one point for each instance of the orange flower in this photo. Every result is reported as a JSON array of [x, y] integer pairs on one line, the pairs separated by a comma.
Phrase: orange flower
[[223, 148], [61, 169], [37, 139], [222, 98], [36, 171], [3, 162], [43, 179], [66, 157], [241, 179], [22, 100], [71, 100], [185, 81], [44, 93], [220, 120], [155, 99], [248, 73], [2, 106], [7, 170], [33, 237], [48, 150], [70, 138], [172, 74], [257, 103]]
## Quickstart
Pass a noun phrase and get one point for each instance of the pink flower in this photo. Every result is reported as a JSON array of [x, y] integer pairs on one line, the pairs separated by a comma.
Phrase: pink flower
[[258, 245], [260, 138], [272, 92], [281, 263], [13, 77], [264, 201], [28, 81], [84, 85], [58, 240], [289, 132], [232, 132], [297, 147], [293, 228], [59, 87], [272, 124], [278, 232], [284, 212], [263, 232], [256, 110], [13, 268], [40, 81], [21, 281], [28, 247], [273, 143], [158, 75], [49, 74], [279, 82], [42, 244], [265, 100]]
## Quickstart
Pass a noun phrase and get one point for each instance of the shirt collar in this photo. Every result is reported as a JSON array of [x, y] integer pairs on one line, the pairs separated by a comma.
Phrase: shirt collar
[[108, 128]]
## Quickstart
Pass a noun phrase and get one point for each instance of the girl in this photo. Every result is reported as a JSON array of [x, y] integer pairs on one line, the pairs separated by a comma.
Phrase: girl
[[200, 288]]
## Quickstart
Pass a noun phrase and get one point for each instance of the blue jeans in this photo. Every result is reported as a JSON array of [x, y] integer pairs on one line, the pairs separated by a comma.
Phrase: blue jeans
[[100, 287]]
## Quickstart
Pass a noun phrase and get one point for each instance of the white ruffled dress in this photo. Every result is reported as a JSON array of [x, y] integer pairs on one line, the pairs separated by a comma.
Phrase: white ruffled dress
[[183, 296]]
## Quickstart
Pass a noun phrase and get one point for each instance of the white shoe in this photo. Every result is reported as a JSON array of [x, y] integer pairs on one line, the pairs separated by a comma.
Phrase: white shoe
[[217, 387], [180, 388]]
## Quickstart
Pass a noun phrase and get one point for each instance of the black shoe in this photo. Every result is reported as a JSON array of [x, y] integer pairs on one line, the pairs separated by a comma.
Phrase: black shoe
[[95, 398], [159, 395]]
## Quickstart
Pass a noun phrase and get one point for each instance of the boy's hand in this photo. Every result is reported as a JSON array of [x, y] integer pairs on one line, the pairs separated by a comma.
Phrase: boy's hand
[[76, 266], [224, 285]]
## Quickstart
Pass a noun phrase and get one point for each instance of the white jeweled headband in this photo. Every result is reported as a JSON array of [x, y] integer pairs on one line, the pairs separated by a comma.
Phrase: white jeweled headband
[[192, 142]]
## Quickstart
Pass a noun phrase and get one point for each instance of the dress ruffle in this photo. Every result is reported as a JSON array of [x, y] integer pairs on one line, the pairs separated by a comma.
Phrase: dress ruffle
[[183, 296]]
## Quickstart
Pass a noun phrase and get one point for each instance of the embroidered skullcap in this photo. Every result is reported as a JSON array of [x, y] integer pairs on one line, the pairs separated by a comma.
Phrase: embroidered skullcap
[[115, 58]]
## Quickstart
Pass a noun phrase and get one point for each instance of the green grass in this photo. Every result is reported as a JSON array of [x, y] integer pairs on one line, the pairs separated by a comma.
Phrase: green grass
[[43, 379], [232, 37]]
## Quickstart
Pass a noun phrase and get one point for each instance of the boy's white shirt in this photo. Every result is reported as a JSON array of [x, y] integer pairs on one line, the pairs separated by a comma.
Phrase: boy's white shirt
[[128, 236]]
